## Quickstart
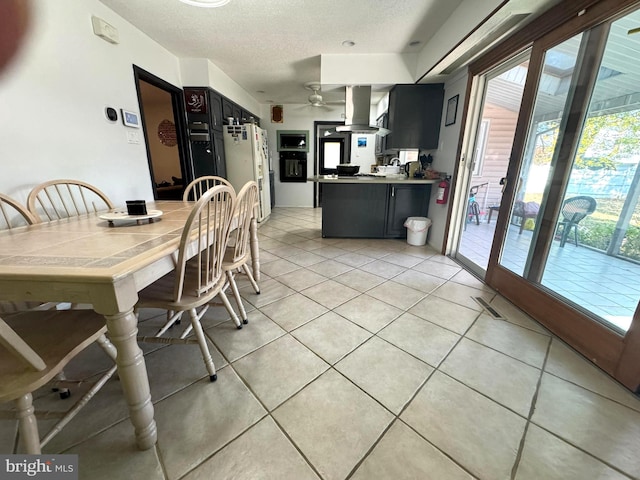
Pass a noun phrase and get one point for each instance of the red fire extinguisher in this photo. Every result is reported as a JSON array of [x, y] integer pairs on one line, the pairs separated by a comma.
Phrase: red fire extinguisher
[[443, 191]]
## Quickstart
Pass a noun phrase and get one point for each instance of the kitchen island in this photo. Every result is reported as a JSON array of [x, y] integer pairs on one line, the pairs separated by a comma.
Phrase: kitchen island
[[371, 206]]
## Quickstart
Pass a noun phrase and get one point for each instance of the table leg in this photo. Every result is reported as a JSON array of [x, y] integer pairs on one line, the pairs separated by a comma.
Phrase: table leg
[[123, 329], [255, 249]]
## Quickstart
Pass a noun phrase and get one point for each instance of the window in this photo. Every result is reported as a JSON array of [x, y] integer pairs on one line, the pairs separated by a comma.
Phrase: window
[[408, 156]]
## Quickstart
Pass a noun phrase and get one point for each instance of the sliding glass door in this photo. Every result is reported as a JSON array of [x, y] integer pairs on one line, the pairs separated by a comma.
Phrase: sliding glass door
[[568, 248], [499, 95], [593, 262]]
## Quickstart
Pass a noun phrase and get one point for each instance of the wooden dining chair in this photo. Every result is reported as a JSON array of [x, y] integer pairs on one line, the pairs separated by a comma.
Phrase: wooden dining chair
[[198, 276], [238, 254], [195, 189], [59, 199], [34, 348], [14, 214]]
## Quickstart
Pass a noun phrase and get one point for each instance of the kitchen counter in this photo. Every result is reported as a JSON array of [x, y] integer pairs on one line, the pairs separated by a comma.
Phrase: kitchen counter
[[371, 206], [372, 179]]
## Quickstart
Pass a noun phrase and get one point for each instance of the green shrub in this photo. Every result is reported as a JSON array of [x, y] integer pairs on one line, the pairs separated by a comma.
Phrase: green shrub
[[598, 234], [595, 233], [630, 247]]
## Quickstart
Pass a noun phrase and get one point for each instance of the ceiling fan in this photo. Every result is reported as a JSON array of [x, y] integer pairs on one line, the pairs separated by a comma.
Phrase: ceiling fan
[[315, 99]]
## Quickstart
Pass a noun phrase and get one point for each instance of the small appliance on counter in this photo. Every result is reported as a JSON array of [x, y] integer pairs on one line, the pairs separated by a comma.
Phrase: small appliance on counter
[[347, 169], [413, 169]]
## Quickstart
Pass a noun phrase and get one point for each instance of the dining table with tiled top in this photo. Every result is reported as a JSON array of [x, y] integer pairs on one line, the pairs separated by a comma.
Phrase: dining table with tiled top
[[85, 260]]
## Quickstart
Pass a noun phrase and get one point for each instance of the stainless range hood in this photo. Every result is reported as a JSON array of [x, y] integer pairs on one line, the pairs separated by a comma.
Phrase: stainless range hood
[[357, 108]]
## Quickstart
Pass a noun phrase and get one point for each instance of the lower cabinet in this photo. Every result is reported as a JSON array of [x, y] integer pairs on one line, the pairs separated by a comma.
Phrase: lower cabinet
[[353, 210], [356, 210], [405, 201]]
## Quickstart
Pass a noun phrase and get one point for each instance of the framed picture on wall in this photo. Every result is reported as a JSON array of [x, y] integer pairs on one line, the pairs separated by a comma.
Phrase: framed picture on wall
[[452, 110], [195, 100], [277, 114]]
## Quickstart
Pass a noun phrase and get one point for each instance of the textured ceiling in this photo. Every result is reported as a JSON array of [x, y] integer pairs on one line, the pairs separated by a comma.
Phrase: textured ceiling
[[274, 46]]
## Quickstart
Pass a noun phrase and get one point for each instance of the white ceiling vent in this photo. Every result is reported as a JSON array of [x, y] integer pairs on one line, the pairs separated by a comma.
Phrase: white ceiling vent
[[486, 35]]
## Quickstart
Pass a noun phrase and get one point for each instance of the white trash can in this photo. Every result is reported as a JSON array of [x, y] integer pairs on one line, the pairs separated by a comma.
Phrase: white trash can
[[417, 229]]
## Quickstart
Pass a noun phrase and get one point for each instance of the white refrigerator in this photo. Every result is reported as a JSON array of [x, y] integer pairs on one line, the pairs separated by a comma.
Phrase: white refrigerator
[[247, 158]]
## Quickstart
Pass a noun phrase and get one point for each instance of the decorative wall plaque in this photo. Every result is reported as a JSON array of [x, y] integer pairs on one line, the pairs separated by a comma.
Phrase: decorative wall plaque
[[195, 100], [167, 133], [277, 114]]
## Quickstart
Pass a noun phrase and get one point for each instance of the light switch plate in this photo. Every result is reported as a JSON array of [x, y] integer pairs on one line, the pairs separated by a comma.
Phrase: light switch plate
[[133, 136]]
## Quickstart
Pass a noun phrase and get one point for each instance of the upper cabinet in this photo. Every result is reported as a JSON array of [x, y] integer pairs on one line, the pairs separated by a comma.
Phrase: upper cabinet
[[227, 109], [215, 105], [381, 143], [207, 111], [414, 116]]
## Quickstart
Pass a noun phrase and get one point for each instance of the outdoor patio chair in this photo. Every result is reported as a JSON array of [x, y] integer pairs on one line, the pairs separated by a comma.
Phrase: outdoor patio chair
[[574, 209], [525, 210]]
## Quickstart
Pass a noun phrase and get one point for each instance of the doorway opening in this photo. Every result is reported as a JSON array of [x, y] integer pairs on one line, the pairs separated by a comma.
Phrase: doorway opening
[[161, 110], [329, 152]]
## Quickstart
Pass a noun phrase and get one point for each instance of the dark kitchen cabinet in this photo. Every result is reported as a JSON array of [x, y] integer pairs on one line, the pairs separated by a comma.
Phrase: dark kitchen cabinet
[[231, 109], [208, 156], [415, 113], [227, 109], [405, 201], [353, 210], [367, 210], [381, 141], [215, 107], [203, 162], [247, 115], [206, 133], [218, 152], [237, 112]]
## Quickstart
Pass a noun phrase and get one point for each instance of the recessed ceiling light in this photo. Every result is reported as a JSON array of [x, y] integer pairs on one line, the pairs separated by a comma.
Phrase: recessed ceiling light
[[414, 43], [348, 43], [206, 3]]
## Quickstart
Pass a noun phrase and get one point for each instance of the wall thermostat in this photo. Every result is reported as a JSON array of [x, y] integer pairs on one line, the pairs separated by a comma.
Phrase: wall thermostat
[[111, 113]]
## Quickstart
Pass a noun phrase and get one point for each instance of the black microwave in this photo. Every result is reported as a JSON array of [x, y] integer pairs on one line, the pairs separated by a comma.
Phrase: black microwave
[[293, 140]]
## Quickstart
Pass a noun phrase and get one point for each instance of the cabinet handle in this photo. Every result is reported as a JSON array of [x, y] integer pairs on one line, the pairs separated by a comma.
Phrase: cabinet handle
[[393, 191]]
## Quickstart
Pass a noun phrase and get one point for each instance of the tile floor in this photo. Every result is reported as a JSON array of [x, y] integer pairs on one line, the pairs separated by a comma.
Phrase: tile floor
[[363, 359]]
